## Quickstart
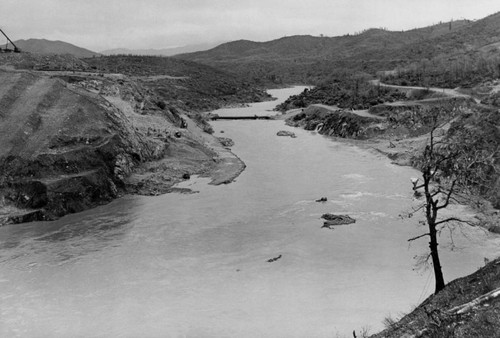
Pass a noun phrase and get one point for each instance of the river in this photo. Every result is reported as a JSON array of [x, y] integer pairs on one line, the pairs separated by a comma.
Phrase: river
[[196, 265]]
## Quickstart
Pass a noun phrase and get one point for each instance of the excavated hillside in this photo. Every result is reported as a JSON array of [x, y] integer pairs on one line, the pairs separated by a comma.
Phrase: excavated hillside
[[71, 141], [62, 150], [73, 134]]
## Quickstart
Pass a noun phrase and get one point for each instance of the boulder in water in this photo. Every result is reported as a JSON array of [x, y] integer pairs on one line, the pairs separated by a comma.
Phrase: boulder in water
[[225, 141], [332, 220], [286, 133]]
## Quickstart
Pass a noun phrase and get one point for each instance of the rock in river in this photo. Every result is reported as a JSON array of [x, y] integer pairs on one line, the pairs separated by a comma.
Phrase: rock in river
[[225, 141], [286, 133], [332, 220]]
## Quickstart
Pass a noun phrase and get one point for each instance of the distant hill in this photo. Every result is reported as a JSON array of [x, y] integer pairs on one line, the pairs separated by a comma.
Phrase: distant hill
[[162, 51], [317, 48], [42, 46], [310, 58]]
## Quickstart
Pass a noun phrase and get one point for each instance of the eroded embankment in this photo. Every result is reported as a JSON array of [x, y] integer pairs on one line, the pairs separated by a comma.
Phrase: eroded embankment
[[64, 149]]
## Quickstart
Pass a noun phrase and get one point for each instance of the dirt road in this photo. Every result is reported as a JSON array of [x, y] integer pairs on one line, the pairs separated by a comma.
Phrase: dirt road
[[446, 91]]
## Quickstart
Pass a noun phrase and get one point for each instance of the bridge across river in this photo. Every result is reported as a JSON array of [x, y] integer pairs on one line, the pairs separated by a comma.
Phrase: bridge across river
[[239, 117]]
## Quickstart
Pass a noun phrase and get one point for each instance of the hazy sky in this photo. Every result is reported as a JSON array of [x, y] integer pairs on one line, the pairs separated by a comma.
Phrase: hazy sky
[[104, 24]]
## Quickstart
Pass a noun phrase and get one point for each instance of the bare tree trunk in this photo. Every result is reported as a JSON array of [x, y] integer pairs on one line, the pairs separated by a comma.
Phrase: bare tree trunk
[[431, 212], [436, 265]]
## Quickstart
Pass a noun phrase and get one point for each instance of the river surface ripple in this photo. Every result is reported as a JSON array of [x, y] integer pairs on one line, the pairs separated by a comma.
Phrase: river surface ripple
[[196, 265]]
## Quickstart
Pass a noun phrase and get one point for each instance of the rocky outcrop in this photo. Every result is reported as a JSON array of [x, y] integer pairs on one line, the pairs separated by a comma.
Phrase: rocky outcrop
[[339, 123]]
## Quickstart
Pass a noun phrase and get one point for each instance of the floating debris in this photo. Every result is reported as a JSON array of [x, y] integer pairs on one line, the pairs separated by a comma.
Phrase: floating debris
[[274, 259]]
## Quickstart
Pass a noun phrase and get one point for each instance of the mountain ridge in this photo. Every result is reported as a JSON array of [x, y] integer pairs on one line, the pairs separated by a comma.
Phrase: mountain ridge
[[44, 46], [306, 58], [300, 44], [161, 51]]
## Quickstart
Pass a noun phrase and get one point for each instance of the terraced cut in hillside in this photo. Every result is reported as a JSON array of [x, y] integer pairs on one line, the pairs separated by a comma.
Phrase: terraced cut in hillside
[[29, 102], [71, 141], [60, 150]]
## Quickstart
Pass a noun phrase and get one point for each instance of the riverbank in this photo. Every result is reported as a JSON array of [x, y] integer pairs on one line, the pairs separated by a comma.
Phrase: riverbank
[[402, 134], [399, 149], [191, 152]]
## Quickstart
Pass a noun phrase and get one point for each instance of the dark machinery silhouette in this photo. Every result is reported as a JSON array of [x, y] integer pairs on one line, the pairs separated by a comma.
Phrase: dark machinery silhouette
[[7, 50]]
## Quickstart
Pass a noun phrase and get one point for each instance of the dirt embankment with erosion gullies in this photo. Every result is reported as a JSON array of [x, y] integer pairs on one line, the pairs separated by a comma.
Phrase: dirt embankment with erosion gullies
[[72, 140]]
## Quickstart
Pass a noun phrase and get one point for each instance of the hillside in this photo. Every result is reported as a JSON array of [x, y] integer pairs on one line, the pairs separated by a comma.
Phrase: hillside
[[43, 46], [308, 59], [62, 150], [184, 84], [318, 48], [468, 307], [41, 62]]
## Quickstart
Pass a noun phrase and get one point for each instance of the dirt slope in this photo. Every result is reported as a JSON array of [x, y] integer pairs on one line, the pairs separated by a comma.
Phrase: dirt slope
[[467, 307], [70, 141], [61, 149]]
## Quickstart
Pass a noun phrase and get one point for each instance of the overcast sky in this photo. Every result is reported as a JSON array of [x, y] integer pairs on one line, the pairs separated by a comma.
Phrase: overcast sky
[[105, 24]]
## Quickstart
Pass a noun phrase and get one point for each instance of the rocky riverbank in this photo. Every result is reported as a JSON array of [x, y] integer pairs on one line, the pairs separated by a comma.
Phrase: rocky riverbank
[[402, 132]]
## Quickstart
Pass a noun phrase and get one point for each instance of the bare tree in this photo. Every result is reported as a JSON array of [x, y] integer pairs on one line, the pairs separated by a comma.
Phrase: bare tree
[[438, 192]]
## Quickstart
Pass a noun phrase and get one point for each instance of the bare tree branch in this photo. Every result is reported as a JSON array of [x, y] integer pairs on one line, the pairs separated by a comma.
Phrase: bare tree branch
[[419, 236], [437, 192], [419, 208], [448, 196], [454, 219]]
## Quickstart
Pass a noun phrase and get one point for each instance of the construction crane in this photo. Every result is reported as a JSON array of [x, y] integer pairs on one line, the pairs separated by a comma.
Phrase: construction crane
[[16, 50]]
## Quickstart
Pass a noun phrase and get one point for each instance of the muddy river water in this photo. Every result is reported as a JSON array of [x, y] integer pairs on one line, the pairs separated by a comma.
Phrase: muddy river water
[[196, 265]]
